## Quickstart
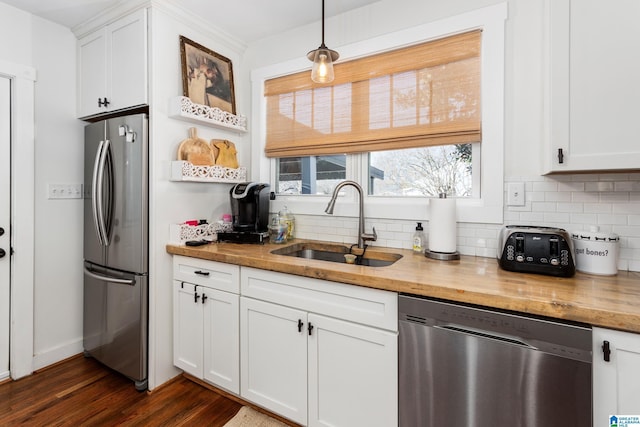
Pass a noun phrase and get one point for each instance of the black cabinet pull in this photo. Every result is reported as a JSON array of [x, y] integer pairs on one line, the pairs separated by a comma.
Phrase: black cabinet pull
[[201, 273], [606, 349], [300, 325], [309, 328], [204, 297], [560, 156], [102, 103], [195, 297], [1, 231]]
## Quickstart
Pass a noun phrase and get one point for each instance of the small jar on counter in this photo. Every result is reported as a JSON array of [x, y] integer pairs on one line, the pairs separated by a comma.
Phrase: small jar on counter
[[277, 231], [287, 218]]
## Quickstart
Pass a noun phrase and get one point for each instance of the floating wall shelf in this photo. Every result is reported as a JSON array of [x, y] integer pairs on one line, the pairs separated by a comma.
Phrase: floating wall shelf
[[185, 171], [182, 108]]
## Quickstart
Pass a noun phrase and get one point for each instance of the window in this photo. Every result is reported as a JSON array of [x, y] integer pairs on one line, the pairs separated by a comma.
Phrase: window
[[391, 107], [420, 172], [309, 174]]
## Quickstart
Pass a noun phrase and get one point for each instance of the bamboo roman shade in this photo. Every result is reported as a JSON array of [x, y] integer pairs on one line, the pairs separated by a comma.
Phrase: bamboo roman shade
[[422, 95]]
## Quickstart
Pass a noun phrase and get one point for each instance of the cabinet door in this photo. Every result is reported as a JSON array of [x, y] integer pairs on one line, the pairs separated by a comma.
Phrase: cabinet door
[[353, 374], [187, 328], [221, 339], [127, 61], [92, 73], [616, 384], [274, 358], [593, 85]]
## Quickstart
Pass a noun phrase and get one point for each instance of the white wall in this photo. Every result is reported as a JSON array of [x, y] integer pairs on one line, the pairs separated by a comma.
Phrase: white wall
[[58, 229], [175, 202], [13, 48], [50, 49]]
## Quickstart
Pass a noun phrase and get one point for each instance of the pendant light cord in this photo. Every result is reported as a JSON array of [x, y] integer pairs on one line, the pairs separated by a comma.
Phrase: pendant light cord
[[323, 24]]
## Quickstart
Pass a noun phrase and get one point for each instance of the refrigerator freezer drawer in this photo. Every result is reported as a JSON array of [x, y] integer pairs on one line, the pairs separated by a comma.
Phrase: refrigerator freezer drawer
[[115, 321]]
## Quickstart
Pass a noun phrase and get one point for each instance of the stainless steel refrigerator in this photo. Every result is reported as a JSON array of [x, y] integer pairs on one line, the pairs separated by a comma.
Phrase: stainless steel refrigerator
[[116, 245]]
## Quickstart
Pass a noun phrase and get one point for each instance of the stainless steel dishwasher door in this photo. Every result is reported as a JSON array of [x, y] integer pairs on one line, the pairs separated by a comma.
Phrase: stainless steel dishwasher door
[[470, 367]]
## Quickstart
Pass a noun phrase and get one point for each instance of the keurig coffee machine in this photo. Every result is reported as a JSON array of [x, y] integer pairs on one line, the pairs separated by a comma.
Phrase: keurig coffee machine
[[250, 213]]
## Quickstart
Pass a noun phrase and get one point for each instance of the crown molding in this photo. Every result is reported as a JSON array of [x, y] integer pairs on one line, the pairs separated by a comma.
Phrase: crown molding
[[109, 15], [194, 21], [171, 8]]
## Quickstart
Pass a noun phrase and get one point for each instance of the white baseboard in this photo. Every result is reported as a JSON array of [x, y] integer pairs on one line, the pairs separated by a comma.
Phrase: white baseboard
[[56, 354]]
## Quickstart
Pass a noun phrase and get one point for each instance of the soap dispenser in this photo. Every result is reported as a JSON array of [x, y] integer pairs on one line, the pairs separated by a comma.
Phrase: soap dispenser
[[418, 238]]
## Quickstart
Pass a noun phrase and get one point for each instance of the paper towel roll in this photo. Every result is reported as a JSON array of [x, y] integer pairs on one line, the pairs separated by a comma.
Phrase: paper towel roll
[[442, 225]]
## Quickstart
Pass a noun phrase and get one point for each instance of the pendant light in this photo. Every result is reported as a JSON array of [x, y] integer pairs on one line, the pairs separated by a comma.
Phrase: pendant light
[[323, 59]]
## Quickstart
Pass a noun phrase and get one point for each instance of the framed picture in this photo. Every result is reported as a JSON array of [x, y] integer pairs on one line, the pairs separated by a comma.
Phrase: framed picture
[[207, 77]]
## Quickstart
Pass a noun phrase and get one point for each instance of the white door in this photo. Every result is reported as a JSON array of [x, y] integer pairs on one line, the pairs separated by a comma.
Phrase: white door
[[616, 374], [187, 328], [221, 338], [127, 61], [5, 213], [273, 359], [353, 374], [92, 60]]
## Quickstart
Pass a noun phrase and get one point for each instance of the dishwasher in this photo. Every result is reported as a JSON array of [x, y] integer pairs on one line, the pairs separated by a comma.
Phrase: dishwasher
[[469, 366]]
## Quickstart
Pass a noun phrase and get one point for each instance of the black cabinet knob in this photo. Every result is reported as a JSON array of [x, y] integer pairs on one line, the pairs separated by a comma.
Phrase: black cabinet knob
[[1, 231], [2, 253]]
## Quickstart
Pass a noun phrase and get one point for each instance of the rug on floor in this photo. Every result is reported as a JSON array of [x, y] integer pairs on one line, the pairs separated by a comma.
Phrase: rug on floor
[[249, 417]]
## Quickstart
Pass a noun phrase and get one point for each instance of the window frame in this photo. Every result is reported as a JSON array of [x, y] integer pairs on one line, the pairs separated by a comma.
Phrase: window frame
[[486, 209]]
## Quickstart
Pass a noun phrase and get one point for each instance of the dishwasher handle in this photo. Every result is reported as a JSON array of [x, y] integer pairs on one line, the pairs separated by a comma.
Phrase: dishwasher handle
[[485, 334]]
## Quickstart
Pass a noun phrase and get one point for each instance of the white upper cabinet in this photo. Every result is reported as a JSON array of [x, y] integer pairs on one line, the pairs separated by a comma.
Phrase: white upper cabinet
[[593, 88], [112, 66]]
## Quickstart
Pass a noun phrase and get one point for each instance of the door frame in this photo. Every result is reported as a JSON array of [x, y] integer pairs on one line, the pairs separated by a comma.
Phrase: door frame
[[22, 217]]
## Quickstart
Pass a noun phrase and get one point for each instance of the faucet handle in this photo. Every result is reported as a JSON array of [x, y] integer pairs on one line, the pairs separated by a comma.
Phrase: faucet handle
[[370, 236]]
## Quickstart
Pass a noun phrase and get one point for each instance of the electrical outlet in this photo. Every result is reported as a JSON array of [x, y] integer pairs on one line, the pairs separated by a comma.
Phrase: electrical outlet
[[64, 191], [515, 194]]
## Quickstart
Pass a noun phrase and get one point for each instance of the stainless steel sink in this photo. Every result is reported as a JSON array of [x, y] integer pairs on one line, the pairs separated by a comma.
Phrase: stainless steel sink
[[335, 253]]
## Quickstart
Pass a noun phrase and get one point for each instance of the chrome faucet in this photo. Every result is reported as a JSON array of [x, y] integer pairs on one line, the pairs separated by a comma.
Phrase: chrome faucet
[[362, 236]]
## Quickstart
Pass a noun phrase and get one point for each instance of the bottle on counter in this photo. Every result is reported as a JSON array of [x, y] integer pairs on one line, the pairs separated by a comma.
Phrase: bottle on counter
[[418, 238], [287, 218], [277, 231]]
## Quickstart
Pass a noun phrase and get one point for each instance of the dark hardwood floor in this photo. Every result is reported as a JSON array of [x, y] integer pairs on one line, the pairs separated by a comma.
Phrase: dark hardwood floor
[[82, 392]]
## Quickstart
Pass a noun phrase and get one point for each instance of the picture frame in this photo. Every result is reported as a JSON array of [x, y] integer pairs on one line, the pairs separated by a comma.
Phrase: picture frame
[[207, 77]]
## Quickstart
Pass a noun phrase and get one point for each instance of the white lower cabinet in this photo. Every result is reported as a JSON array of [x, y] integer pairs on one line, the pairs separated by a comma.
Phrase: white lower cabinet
[[274, 358], [616, 382], [319, 353], [205, 321], [352, 374]]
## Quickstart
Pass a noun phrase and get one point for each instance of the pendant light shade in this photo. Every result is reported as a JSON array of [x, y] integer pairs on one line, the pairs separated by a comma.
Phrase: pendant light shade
[[323, 59]]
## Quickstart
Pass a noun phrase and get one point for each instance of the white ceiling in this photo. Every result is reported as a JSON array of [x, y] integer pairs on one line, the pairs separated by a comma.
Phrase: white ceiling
[[247, 20]]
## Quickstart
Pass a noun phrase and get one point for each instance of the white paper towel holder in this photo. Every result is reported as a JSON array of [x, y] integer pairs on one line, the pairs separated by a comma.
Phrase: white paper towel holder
[[442, 256]]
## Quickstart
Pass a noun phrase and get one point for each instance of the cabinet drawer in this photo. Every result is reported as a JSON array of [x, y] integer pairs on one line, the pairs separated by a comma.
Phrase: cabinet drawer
[[216, 275], [373, 307]]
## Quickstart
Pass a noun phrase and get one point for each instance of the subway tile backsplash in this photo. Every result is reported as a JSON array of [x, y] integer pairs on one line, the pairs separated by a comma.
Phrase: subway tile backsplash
[[573, 202]]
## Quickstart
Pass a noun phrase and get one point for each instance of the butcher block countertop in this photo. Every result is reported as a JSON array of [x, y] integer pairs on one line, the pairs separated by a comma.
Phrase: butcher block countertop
[[605, 301]]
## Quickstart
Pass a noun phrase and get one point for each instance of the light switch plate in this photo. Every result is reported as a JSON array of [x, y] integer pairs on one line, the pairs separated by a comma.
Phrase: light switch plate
[[515, 194], [64, 191]]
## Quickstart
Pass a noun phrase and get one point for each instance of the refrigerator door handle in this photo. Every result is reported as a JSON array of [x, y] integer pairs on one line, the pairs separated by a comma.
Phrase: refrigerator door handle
[[99, 196], [94, 193], [109, 279]]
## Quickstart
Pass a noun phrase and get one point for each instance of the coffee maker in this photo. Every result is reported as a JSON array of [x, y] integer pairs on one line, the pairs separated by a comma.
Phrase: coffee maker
[[250, 213]]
